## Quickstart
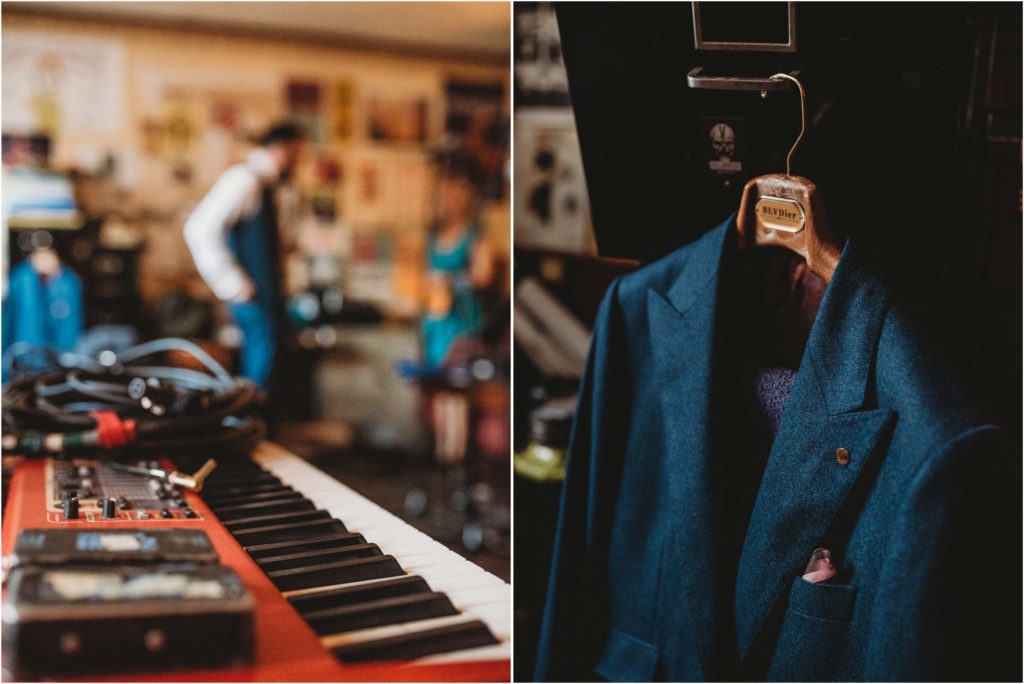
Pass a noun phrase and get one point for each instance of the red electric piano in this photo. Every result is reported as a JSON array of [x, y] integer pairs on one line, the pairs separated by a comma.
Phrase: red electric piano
[[344, 591]]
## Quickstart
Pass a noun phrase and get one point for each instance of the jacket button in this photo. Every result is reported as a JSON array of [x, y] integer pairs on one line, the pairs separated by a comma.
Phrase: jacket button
[[843, 456]]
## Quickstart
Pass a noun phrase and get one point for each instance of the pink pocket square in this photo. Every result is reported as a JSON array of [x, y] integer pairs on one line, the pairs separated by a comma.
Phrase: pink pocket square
[[820, 567]]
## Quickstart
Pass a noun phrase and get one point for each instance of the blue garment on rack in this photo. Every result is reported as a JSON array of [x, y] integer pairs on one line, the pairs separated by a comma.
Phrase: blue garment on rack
[[465, 317], [43, 311], [667, 566]]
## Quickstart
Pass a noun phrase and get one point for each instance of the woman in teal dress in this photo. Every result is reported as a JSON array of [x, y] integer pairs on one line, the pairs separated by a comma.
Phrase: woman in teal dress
[[460, 264]]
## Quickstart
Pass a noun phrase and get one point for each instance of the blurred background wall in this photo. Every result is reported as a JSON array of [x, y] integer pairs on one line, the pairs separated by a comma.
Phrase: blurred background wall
[[156, 103]]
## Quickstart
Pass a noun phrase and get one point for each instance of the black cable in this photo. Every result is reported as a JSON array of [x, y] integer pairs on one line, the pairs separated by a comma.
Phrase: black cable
[[126, 403]]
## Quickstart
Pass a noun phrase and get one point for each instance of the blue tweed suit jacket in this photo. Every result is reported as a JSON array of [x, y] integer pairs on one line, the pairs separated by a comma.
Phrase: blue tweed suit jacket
[[923, 522]]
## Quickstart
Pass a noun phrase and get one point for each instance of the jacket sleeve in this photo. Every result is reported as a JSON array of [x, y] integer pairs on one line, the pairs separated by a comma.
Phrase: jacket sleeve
[[206, 232], [949, 601], [575, 614]]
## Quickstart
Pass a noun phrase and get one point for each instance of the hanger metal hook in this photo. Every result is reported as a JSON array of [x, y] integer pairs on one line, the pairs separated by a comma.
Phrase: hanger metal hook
[[803, 114]]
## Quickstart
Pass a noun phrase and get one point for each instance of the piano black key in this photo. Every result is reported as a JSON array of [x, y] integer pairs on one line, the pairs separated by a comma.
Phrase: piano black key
[[360, 593], [318, 557], [278, 492], [275, 492], [233, 490], [291, 504], [250, 481], [418, 644], [329, 541], [232, 465], [241, 491], [388, 611], [241, 465], [241, 480], [277, 519], [342, 572], [250, 509], [288, 532]]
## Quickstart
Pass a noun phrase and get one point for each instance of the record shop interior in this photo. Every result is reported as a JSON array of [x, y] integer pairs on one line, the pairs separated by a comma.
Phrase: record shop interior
[[256, 341]]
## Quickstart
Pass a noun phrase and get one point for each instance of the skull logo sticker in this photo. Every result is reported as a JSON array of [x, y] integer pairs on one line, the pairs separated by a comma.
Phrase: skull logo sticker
[[723, 141], [722, 144]]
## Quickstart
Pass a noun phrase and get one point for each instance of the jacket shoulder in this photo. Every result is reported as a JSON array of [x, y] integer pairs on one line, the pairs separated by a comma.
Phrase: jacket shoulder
[[915, 378], [631, 290]]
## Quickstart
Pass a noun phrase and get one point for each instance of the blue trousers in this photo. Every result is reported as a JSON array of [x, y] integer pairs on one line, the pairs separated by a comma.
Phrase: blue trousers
[[260, 330]]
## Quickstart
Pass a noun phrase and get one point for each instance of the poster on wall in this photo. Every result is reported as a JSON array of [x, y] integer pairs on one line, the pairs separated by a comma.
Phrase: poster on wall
[[540, 76], [398, 119], [225, 115], [230, 103], [550, 190], [56, 82], [181, 120], [475, 122], [342, 122], [304, 103], [386, 189], [303, 96], [367, 198]]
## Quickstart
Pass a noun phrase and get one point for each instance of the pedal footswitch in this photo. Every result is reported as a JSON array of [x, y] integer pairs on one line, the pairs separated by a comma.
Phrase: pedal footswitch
[[77, 619]]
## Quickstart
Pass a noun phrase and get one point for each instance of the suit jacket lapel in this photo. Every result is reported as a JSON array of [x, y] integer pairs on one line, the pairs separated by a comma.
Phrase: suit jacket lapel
[[681, 323], [804, 484]]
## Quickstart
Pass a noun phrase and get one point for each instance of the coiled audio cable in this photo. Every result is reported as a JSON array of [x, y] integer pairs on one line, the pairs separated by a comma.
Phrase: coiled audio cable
[[130, 404]]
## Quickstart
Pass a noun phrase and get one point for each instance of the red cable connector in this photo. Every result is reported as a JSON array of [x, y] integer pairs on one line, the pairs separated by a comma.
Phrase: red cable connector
[[111, 431]]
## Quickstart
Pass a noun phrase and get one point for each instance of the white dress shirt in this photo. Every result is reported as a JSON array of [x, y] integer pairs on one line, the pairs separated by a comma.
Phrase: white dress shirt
[[235, 196]]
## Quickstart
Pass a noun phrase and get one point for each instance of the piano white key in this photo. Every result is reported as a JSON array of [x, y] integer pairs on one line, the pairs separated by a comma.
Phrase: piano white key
[[494, 614], [477, 596], [421, 560], [399, 546], [477, 580], [399, 530], [447, 570]]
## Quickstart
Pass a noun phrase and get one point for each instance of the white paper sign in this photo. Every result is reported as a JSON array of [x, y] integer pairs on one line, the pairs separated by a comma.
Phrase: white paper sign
[[56, 82]]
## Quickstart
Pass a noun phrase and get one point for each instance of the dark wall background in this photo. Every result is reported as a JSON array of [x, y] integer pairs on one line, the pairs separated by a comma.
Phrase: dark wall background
[[913, 136]]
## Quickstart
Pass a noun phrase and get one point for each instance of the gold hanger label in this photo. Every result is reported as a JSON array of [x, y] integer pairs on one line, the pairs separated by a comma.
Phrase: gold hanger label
[[777, 213]]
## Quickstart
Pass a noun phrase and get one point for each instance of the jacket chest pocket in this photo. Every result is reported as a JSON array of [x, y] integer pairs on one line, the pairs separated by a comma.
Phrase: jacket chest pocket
[[813, 640], [625, 658]]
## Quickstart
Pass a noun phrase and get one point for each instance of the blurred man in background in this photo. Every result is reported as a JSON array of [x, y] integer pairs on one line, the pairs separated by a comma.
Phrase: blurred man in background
[[233, 237]]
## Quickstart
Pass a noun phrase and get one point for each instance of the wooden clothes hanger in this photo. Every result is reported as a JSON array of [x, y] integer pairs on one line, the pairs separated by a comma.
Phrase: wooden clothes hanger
[[788, 211]]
